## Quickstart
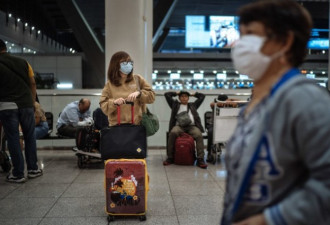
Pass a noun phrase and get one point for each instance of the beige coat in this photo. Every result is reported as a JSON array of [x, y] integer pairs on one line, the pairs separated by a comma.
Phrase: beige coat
[[111, 92]]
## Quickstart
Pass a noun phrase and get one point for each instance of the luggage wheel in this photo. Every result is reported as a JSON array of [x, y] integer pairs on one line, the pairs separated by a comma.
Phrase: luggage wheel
[[216, 152], [143, 218], [110, 218], [81, 162]]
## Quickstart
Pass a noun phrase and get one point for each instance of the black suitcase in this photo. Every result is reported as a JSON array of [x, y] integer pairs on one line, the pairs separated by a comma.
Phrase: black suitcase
[[127, 141], [87, 138]]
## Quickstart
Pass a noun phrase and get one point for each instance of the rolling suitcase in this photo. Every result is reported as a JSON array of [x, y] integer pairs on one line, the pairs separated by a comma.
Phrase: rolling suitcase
[[127, 141], [184, 150], [126, 186]]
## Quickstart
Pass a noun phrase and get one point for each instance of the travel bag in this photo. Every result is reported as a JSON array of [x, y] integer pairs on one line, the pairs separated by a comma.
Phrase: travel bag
[[87, 138], [100, 119], [127, 141], [126, 186], [4, 159], [184, 150]]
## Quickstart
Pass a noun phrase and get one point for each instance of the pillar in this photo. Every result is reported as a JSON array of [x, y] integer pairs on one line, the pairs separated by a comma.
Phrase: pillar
[[128, 27]]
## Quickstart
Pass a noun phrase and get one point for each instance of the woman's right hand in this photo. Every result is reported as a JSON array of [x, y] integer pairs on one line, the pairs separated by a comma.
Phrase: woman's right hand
[[119, 101]]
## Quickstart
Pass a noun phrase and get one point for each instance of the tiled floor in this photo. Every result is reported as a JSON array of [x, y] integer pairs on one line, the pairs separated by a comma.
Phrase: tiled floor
[[66, 194]]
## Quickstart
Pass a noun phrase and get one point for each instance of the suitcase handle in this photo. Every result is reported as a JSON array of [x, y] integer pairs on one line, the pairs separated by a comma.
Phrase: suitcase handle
[[132, 112]]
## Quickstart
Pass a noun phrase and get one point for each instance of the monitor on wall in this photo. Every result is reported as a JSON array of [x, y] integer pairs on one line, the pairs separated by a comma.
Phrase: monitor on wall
[[319, 39], [211, 31]]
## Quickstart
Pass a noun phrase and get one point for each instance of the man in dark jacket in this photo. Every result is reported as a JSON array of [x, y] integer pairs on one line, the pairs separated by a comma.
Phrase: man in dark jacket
[[17, 97], [194, 129]]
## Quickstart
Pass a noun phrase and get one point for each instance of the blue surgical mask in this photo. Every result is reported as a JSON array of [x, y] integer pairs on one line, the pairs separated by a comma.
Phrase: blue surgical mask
[[126, 67]]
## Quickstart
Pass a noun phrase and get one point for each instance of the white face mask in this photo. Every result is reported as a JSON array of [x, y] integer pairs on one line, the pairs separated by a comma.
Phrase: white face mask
[[248, 59], [126, 67]]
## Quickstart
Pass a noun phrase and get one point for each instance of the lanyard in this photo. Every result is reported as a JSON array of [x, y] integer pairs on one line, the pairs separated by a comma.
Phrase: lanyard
[[287, 76]]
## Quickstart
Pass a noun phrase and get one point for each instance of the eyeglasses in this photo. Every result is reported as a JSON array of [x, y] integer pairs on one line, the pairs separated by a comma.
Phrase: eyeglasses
[[126, 62]]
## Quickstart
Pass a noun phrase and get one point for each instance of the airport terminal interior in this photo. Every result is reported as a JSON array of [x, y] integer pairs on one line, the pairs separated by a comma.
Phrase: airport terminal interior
[[69, 45]]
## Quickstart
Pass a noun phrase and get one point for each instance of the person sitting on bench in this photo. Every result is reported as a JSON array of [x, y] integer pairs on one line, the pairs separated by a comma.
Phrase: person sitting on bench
[[194, 128], [73, 113], [41, 129]]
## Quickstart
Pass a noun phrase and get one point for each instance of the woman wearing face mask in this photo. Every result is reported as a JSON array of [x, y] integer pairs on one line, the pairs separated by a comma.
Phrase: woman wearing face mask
[[123, 86], [278, 159]]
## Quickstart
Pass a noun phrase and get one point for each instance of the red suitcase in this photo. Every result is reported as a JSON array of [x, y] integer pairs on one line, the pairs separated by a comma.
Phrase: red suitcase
[[184, 150], [126, 186]]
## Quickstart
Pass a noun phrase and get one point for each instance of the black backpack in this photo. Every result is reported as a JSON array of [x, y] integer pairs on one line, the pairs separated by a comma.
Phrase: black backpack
[[100, 119]]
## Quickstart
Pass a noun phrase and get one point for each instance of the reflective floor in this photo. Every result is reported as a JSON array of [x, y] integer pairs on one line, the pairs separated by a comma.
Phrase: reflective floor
[[66, 194]]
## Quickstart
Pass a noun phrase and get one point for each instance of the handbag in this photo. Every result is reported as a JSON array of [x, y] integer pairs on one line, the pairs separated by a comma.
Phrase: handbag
[[127, 141], [149, 121], [183, 118]]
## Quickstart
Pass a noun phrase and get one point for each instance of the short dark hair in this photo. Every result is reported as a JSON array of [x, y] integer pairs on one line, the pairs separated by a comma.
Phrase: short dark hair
[[279, 18], [222, 97], [3, 46], [184, 92]]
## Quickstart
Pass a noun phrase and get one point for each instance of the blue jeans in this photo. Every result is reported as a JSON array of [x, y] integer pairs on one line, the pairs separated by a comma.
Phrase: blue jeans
[[10, 120], [41, 130]]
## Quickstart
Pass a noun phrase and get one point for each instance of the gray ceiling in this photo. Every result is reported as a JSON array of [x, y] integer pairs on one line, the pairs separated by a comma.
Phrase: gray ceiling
[[47, 15]]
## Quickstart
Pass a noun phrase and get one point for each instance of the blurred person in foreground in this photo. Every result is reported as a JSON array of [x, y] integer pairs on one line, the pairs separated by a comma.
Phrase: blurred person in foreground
[[278, 159]]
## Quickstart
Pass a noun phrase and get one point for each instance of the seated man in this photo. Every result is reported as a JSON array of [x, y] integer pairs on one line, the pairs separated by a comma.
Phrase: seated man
[[194, 129], [72, 114], [41, 129]]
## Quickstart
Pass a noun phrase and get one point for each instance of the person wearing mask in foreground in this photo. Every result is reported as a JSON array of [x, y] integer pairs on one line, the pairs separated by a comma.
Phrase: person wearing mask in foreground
[[278, 159], [124, 86]]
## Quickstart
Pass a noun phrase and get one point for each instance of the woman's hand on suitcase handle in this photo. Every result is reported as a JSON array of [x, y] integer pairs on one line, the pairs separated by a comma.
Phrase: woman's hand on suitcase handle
[[133, 96], [119, 101]]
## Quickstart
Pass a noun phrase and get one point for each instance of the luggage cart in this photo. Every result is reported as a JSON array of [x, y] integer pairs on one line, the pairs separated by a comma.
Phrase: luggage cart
[[224, 123], [87, 141]]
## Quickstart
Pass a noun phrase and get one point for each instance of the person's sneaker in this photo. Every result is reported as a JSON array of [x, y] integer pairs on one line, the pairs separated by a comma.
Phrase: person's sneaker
[[201, 163], [168, 162], [34, 173], [13, 179]]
